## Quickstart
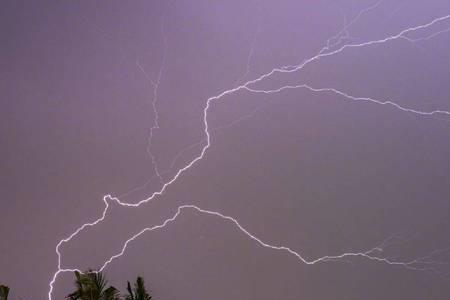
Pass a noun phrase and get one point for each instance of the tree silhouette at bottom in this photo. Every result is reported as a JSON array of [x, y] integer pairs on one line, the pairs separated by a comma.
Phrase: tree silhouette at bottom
[[138, 292], [92, 286]]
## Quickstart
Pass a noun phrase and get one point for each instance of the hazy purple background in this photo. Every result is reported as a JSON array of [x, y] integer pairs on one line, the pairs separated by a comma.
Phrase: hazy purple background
[[314, 172]]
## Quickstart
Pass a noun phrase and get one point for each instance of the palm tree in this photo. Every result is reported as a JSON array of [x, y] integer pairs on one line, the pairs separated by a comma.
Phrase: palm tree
[[92, 286], [139, 292], [4, 291]]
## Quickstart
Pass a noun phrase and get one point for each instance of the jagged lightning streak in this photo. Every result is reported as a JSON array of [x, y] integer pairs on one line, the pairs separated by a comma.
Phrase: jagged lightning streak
[[195, 145], [217, 129], [246, 86], [242, 77], [415, 264], [343, 33], [429, 37], [295, 68], [251, 51], [349, 97], [155, 85]]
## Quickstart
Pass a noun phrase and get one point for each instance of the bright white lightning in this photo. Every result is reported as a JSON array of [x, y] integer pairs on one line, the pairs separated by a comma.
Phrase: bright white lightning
[[429, 37], [343, 33], [195, 145], [192, 146], [348, 97], [414, 264], [217, 129]]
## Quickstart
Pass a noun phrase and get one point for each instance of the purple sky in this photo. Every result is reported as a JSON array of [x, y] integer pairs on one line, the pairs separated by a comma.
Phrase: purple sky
[[314, 171]]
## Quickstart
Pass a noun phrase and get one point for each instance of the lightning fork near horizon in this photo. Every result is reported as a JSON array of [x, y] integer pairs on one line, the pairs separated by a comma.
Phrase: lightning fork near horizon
[[247, 86], [414, 264], [424, 263]]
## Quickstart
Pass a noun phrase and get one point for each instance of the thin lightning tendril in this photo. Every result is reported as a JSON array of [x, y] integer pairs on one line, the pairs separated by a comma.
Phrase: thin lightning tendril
[[423, 264], [349, 97], [429, 37], [160, 175], [343, 33], [195, 145], [155, 86], [250, 52], [366, 254]]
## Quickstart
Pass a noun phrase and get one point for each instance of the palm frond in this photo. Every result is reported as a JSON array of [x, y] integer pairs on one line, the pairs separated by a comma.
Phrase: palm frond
[[4, 292], [140, 291], [130, 295], [110, 293]]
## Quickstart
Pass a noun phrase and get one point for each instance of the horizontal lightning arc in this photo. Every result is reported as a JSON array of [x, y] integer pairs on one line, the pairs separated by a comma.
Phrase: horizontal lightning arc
[[366, 254], [246, 86], [349, 97]]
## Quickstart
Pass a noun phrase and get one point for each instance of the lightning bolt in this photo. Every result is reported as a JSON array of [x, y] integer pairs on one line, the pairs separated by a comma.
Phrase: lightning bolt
[[349, 97], [250, 52], [425, 263], [429, 37], [343, 33], [155, 85], [412, 264], [195, 145]]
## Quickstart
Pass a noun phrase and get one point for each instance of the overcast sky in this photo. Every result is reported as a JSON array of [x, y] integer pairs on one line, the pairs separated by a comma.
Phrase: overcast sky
[[314, 171]]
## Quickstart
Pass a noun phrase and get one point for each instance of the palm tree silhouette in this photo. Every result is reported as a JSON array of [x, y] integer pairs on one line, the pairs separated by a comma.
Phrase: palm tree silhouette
[[92, 286], [4, 291], [138, 292]]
